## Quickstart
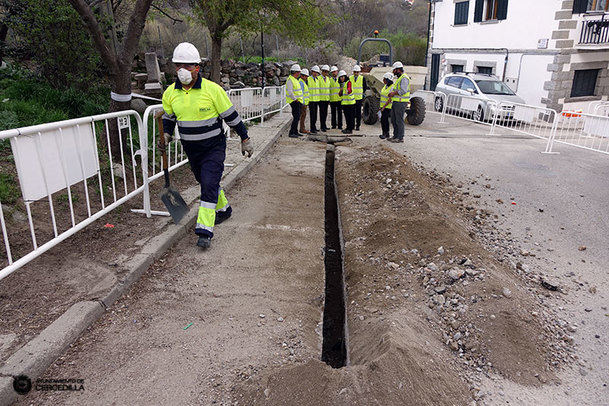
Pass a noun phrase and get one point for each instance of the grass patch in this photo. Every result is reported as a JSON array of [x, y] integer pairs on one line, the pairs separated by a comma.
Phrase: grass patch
[[9, 191]]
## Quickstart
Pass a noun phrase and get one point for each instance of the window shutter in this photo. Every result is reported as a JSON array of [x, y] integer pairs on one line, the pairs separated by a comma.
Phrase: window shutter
[[478, 11], [502, 6], [461, 12], [580, 6]]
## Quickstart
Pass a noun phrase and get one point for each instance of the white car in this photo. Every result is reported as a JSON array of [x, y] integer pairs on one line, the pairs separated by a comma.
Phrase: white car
[[483, 96]]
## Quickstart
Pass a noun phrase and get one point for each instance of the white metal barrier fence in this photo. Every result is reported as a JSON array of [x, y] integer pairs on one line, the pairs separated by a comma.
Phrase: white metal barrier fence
[[599, 108], [69, 178], [428, 96], [539, 122], [71, 166], [581, 130]]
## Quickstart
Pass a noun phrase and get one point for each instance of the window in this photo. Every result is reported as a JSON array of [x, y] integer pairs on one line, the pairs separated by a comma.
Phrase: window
[[454, 81], [582, 6], [489, 10], [494, 87], [457, 68], [468, 85], [461, 12], [487, 70], [584, 82]]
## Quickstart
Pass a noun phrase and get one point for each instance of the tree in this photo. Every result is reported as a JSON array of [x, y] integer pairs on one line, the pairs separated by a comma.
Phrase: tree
[[118, 58], [299, 20]]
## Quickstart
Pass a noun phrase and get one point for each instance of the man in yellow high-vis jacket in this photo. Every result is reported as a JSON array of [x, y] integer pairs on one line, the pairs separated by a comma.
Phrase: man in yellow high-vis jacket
[[313, 83], [198, 107], [359, 88], [324, 96], [294, 97], [335, 107]]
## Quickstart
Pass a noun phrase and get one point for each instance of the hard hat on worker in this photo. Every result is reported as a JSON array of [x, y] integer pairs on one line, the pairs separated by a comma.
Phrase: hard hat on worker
[[333, 69], [325, 67], [342, 73], [398, 65], [186, 53], [295, 68], [305, 72], [357, 68], [315, 69], [388, 76]]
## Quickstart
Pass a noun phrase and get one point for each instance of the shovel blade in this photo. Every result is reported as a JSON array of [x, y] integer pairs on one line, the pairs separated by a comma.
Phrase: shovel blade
[[176, 206]]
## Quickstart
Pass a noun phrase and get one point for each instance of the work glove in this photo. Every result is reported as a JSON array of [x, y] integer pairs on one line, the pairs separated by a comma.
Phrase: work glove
[[247, 147], [168, 138]]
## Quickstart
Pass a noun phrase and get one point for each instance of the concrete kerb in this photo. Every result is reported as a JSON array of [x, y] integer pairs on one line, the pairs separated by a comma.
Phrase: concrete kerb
[[38, 354]]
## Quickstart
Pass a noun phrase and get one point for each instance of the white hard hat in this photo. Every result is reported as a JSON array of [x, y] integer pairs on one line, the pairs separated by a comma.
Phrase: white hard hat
[[356, 68], [342, 73], [305, 72], [295, 68], [333, 69], [388, 75], [325, 67], [316, 69], [186, 53], [397, 65]]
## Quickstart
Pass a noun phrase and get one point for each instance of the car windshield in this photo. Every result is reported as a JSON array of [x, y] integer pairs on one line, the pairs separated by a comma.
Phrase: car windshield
[[494, 87]]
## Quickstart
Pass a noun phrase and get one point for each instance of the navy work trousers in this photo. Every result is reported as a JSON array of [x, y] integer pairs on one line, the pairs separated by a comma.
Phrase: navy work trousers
[[206, 160]]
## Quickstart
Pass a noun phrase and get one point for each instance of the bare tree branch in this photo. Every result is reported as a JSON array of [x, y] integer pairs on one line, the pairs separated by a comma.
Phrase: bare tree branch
[[97, 35], [134, 30], [175, 20]]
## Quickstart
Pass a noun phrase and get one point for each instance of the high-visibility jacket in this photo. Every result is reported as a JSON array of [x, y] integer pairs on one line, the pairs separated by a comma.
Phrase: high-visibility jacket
[[405, 98], [334, 88], [347, 98], [297, 90], [306, 96], [313, 89], [358, 86], [324, 88], [199, 111], [385, 95]]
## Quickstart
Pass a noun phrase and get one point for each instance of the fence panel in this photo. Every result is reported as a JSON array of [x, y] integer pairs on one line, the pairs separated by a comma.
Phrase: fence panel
[[535, 121], [581, 130], [69, 175]]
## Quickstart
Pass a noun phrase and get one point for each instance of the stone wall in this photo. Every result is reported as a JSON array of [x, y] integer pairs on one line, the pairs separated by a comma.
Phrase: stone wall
[[234, 74]]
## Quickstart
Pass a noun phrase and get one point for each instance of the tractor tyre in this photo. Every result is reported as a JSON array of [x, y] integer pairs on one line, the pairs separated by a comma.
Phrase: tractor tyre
[[416, 114], [370, 108]]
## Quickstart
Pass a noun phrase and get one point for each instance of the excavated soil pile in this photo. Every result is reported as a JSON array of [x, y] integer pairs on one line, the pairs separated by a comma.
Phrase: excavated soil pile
[[429, 309]]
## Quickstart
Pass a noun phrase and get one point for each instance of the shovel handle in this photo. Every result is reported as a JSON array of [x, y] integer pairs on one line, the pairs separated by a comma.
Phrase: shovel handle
[[159, 122]]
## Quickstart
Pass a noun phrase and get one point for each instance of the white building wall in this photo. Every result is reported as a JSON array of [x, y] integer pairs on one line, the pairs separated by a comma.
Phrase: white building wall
[[527, 22]]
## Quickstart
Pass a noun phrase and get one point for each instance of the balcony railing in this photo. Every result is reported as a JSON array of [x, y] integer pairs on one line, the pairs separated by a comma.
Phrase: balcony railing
[[595, 31]]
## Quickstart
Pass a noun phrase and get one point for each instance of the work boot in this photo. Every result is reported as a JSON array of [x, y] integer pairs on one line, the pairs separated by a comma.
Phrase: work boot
[[293, 136], [357, 128], [204, 241], [396, 140], [383, 136], [223, 215], [313, 132], [323, 130], [302, 130], [347, 131]]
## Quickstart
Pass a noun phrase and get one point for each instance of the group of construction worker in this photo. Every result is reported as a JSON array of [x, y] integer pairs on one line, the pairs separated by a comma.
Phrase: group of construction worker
[[197, 107], [332, 87]]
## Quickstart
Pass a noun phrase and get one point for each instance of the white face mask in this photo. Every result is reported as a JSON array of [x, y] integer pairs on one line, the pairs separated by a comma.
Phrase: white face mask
[[184, 76]]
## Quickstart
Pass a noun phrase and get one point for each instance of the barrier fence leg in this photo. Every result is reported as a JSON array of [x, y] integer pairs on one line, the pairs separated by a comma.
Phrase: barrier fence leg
[[550, 143]]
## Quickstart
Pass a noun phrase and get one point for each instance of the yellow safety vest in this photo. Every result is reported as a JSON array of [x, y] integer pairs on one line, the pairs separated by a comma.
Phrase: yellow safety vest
[[297, 90], [324, 88], [199, 111], [313, 89], [334, 89], [347, 99], [405, 98], [358, 86], [385, 95], [306, 94]]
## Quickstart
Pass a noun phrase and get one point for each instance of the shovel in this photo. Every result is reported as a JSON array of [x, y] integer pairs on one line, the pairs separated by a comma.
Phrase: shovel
[[176, 206]]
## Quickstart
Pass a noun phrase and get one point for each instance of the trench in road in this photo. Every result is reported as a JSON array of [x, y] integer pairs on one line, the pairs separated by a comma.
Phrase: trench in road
[[334, 345]]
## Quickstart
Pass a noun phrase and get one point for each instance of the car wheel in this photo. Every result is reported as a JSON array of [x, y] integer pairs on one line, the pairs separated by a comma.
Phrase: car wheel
[[439, 104], [478, 115]]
